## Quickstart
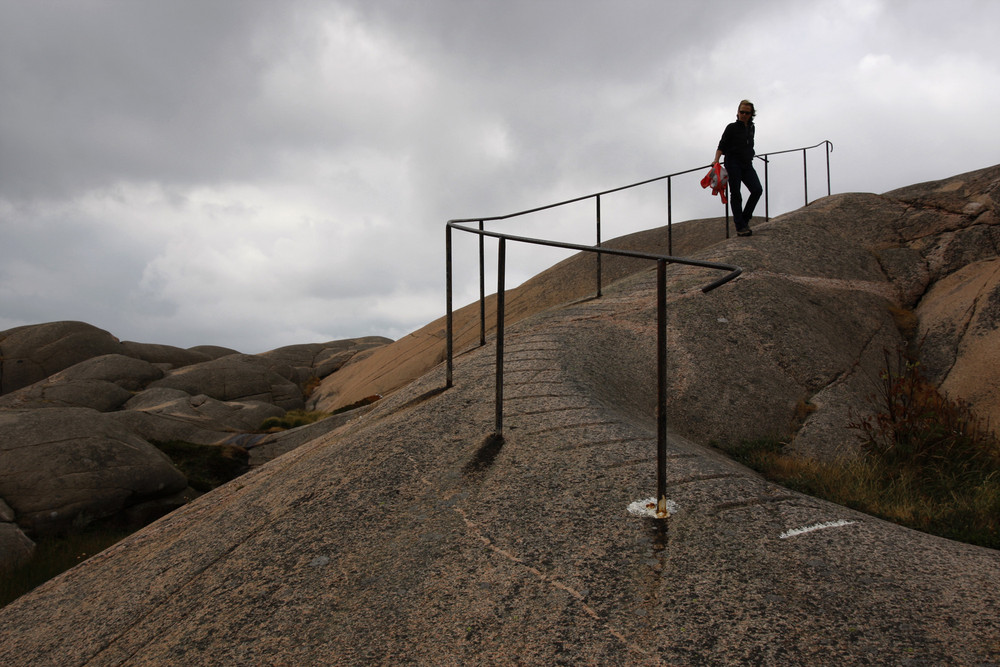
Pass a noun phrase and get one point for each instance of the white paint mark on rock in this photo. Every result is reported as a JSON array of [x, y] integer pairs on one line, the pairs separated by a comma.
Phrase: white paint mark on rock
[[816, 526], [647, 507]]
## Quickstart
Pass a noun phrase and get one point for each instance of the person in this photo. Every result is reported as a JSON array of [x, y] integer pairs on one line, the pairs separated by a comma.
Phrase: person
[[737, 145]]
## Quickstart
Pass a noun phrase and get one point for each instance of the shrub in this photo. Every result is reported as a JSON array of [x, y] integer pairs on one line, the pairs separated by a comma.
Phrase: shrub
[[296, 418], [926, 461], [936, 442]]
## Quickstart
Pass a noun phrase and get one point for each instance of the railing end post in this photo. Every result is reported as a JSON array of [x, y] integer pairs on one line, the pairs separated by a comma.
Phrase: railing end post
[[661, 508]]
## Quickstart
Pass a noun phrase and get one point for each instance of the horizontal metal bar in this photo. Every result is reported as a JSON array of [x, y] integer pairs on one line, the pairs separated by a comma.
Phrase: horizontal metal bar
[[734, 270], [574, 200]]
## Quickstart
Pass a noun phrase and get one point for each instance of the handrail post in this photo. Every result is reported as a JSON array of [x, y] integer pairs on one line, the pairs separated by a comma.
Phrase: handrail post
[[661, 389], [599, 255], [501, 260], [828, 148], [726, 207], [805, 175], [767, 191], [670, 219], [450, 324], [482, 288]]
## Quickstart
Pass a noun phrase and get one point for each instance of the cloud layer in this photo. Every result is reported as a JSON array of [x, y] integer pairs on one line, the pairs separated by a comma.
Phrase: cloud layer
[[255, 174]]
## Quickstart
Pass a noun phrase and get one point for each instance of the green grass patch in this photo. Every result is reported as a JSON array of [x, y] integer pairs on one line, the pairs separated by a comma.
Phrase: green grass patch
[[292, 419], [296, 418], [926, 462]]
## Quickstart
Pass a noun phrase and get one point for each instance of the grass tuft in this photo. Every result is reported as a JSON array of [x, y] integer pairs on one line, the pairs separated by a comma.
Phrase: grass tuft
[[292, 419], [927, 462], [296, 418]]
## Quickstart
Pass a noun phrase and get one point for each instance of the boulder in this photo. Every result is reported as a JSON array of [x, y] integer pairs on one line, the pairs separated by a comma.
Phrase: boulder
[[213, 351], [65, 467], [32, 353], [160, 414], [94, 394], [164, 355], [15, 547], [238, 377], [318, 360], [102, 383], [959, 332]]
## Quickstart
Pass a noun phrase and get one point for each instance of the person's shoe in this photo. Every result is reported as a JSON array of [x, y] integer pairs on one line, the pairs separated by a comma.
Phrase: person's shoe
[[744, 232]]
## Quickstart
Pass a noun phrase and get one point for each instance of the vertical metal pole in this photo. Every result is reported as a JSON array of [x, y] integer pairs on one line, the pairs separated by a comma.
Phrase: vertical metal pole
[[767, 192], [501, 259], [450, 341], [670, 220], [599, 254], [661, 389], [827, 147], [726, 207], [482, 289], [805, 176]]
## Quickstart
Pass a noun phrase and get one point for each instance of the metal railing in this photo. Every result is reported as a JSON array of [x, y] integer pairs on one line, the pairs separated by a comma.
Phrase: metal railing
[[766, 157], [599, 251], [661, 328]]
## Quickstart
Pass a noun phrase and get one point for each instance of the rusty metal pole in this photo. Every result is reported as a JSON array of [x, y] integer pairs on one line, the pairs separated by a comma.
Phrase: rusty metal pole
[[661, 389], [501, 259]]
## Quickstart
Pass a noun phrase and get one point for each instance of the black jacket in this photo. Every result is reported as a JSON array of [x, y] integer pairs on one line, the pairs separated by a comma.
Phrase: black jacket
[[737, 142]]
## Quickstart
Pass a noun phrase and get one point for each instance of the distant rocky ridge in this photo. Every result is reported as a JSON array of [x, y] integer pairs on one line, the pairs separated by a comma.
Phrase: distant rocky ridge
[[394, 537], [79, 409]]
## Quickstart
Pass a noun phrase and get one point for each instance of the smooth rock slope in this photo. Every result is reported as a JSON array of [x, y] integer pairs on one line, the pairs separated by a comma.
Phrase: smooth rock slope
[[406, 535]]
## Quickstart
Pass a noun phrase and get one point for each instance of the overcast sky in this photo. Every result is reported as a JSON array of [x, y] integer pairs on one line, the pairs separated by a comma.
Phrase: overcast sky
[[254, 173]]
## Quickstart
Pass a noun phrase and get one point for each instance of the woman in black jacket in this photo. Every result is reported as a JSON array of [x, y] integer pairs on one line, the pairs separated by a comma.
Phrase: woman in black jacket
[[737, 145]]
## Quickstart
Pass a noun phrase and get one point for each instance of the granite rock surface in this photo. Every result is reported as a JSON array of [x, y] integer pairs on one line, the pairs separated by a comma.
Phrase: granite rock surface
[[409, 534]]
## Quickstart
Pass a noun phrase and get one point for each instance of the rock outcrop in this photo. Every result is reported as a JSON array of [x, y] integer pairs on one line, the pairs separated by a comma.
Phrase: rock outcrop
[[74, 465], [408, 534], [237, 377], [80, 408], [824, 296]]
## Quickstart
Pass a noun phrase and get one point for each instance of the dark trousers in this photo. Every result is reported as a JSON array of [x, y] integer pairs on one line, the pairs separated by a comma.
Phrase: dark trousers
[[747, 175]]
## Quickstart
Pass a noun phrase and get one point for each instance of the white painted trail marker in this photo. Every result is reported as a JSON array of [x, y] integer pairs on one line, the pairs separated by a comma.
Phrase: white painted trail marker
[[816, 526]]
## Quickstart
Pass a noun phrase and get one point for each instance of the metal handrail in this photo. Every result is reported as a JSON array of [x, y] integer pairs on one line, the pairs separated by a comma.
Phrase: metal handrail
[[661, 322], [762, 156], [766, 157], [596, 196], [661, 260]]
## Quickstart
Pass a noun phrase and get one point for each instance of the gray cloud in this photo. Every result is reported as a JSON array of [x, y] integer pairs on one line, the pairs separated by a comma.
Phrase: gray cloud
[[256, 174]]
